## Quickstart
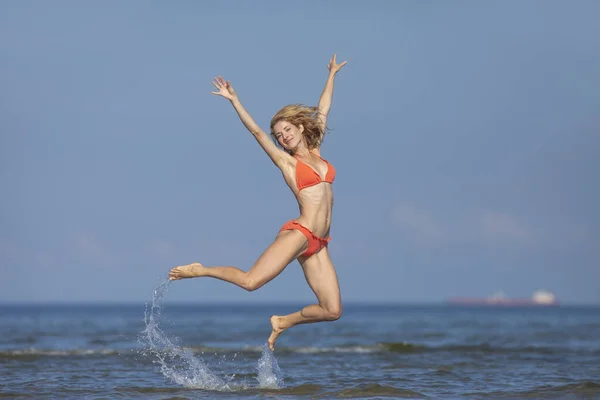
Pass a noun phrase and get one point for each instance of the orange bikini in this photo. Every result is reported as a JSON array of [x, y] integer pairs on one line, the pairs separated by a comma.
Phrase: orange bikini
[[306, 177]]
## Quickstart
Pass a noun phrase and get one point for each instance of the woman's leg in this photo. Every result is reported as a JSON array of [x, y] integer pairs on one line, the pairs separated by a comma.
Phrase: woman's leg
[[287, 246], [322, 279]]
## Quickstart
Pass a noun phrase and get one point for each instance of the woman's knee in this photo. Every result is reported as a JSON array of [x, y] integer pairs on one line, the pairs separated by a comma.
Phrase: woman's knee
[[252, 282], [333, 313]]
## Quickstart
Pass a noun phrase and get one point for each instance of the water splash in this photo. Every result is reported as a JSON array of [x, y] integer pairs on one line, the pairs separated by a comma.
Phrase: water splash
[[269, 374], [181, 366], [176, 363]]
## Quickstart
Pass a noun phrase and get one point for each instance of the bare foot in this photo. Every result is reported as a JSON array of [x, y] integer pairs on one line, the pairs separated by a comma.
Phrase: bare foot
[[278, 327], [185, 271]]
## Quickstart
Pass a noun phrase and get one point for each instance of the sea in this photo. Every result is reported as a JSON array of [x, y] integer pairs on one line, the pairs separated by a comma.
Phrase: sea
[[162, 350]]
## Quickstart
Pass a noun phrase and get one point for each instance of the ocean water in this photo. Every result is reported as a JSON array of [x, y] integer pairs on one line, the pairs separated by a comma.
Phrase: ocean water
[[168, 351]]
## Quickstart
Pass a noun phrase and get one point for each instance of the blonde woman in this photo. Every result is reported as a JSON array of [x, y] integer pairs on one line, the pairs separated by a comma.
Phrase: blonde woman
[[299, 131]]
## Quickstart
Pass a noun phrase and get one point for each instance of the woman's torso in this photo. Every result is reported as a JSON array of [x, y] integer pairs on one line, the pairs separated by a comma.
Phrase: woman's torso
[[311, 181]]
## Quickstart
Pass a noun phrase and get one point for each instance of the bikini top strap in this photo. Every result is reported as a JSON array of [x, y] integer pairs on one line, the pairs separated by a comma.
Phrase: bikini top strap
[[322, 159]]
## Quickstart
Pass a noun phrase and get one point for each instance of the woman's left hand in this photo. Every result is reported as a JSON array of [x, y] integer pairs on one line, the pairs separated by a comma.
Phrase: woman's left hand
[[333, 66]]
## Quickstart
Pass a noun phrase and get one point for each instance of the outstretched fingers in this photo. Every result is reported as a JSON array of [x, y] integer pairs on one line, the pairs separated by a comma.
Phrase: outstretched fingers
[[223, 87], [219, 84], [333, 65]]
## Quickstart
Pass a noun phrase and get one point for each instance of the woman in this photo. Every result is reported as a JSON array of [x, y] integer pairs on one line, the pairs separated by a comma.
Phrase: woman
[[299, 130]]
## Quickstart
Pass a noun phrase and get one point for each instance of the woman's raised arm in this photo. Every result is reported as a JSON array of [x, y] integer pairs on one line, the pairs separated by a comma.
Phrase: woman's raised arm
[[327, 95], [224, 89]]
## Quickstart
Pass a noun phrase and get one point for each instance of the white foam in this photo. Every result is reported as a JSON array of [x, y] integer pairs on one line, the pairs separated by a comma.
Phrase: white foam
[[350, 349], [44, 352]]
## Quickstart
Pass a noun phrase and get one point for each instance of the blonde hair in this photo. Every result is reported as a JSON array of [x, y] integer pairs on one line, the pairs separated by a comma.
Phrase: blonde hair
[[307, 116]]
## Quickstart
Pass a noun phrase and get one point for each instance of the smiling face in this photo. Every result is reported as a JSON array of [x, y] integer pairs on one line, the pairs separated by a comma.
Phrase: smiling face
[[288, 135]]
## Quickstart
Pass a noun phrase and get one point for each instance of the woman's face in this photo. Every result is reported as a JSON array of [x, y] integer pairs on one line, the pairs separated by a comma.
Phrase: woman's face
[[288, 135]]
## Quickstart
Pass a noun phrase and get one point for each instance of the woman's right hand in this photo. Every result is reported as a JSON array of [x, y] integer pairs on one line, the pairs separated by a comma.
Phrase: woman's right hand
[[224, 88]]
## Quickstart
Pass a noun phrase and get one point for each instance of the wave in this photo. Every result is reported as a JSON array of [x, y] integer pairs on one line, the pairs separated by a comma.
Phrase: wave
[[381, 347], [31, 352], [402, 347], [366, 390], [315, 391], [583, 389], [374, 389]]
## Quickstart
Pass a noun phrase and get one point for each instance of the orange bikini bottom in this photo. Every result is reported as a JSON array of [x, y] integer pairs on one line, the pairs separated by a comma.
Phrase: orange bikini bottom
[[315, 243]]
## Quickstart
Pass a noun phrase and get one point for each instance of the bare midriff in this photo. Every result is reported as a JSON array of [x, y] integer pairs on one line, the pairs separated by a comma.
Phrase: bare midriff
[[316, 205]]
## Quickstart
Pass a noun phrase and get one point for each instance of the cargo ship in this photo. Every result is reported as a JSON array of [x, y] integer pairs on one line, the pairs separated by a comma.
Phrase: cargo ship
[[539, 298]]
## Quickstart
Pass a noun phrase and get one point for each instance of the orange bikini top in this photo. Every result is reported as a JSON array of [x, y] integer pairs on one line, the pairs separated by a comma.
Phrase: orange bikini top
[[306, 176]]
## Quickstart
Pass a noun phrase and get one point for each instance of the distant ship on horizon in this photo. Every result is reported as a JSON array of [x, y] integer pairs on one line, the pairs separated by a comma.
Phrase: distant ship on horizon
[[539, 298]]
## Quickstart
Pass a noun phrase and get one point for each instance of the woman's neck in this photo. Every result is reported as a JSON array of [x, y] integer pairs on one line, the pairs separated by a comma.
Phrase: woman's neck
[[302, 153]]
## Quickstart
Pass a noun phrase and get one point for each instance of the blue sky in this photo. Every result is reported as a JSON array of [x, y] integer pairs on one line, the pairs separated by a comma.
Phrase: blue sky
[[465, 135]]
